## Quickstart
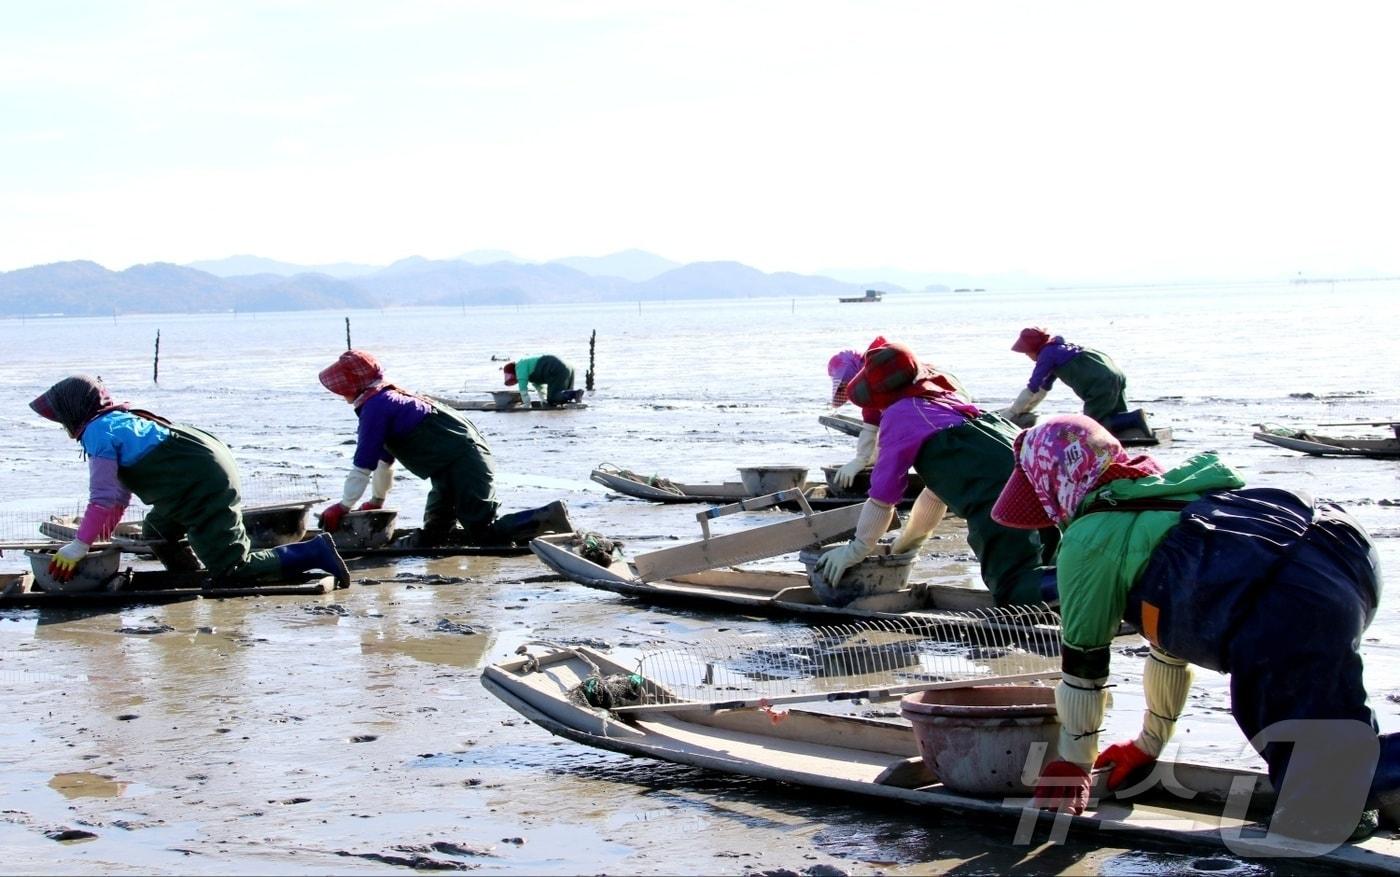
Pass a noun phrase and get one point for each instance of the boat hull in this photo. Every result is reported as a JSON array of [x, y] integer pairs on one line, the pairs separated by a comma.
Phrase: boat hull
[[876, 759]]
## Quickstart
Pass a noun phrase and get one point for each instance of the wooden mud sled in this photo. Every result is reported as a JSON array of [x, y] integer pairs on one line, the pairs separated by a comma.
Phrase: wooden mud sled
[[596, 700]]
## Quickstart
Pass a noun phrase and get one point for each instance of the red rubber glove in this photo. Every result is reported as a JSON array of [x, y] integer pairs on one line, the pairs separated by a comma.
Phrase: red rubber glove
[[1128, 763], [370, 505], [1062, 786], [332, 516], [64, 564]]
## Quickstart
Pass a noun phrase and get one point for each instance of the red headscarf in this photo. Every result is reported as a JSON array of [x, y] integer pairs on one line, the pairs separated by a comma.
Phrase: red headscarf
[[1031, 340], [509, 369], [355, 376], [892, 372]]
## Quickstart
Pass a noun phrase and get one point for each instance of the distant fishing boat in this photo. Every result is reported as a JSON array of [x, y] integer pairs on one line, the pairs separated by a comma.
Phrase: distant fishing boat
[[870, 295]]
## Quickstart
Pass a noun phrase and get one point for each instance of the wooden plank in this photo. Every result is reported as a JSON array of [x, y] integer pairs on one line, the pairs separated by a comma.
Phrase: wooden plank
[[871, 694], [753, 544]]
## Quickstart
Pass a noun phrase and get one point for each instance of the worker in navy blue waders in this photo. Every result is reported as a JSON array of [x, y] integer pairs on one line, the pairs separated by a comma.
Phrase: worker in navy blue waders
[[1264, 584], [186, 476], [1093, 376], [551, 377], [432, 442]]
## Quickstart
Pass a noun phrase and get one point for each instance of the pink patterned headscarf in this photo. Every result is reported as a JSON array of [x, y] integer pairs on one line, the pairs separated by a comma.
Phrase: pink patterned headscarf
[[841, 368], [1058, 462]]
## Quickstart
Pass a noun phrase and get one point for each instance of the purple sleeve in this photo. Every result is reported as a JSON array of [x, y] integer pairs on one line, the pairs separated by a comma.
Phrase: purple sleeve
[[374, 429], [104, 487], [899, 447], [1052, 356]]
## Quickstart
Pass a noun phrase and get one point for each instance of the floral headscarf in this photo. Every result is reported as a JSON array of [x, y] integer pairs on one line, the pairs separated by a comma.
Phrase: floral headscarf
[[841, 368], [1058, 463]]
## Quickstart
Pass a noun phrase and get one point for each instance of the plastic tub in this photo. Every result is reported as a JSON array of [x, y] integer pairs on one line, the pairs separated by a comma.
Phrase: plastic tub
[[979, 740], [760, 480], [94, 571], [881, 572], [859, 487], [369, 529], [506, 398], [271, 526]]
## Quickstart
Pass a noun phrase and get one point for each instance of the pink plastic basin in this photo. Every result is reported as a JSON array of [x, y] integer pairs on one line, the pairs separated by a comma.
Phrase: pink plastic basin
[[979, 740]]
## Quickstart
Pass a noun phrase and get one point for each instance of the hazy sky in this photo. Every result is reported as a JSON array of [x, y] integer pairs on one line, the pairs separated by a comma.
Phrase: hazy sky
[[1076, 140]]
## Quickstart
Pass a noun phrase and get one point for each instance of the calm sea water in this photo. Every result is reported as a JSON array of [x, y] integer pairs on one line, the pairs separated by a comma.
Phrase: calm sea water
[[687, 390]]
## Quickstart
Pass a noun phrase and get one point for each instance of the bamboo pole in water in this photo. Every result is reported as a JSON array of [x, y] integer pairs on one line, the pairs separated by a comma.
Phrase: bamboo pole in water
[[588, 377], [347, 333], [155, 366]]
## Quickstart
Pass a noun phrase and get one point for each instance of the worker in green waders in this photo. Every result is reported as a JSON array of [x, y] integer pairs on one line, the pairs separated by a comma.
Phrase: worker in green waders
[[433, 442], [1091, 374], [964, 457], [844, 366], [551, 377], [186, 476]]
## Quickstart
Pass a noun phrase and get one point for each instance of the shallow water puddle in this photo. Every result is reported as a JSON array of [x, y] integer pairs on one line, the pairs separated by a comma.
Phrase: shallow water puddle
[[86, 785]]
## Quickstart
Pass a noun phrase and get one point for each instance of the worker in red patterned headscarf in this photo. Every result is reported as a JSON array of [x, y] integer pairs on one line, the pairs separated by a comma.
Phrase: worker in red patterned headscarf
[[964, 457], [1091, 374], [433, 442], [842, 368]]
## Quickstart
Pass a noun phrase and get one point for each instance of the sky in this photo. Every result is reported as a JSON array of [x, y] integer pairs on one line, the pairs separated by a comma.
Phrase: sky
[[1079, 141]]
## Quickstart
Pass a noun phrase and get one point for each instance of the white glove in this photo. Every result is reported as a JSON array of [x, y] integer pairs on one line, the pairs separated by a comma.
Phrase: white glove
[[381, 481], [867, 449], [355, 484], [874, 520], [1024, 403], [926, 514]]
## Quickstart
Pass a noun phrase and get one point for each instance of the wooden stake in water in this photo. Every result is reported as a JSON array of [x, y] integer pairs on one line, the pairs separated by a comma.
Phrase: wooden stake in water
[[588, 376], [155, 367], [347, 333]]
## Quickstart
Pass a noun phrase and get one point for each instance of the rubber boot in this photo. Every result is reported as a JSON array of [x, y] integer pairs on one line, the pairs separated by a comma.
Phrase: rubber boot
[[1129, 421], [176, 556], [526, 525], [318, 553]]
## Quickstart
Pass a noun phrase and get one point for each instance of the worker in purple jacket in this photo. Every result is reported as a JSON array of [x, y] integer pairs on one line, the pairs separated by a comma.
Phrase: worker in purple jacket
[[432, 442], [1091, 374]]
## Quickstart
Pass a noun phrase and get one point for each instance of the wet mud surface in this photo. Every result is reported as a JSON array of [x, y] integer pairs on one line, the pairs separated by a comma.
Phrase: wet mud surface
[[349, 732]]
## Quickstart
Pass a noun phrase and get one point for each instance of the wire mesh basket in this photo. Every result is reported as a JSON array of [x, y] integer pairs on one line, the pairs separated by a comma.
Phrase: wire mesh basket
[[870, 660]]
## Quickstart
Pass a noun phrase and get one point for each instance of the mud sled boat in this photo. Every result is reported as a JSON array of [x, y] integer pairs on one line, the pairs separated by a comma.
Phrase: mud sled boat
[[1317, 445], [371, 534], [654, 488], [851, 426], [508, 402], [268, 525], [770, 592], [586, 696], [144, 587]]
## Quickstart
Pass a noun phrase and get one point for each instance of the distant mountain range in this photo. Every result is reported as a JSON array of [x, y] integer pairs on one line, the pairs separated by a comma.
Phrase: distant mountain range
[[252, 283]]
